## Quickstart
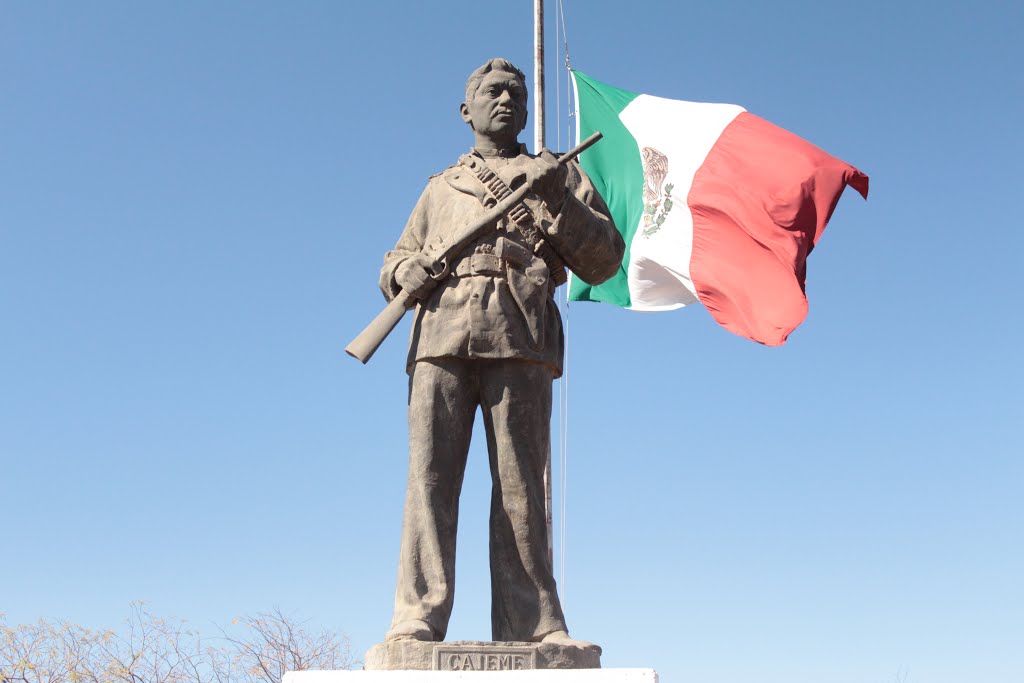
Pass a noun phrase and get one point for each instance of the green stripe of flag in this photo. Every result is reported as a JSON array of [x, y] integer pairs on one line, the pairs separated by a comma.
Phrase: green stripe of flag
[[614, 165]]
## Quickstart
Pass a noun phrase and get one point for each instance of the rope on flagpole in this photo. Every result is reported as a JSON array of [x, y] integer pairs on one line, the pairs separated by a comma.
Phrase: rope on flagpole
[[563, 385]]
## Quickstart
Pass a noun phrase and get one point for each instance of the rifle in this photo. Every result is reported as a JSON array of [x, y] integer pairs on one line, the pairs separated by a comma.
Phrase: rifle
[[364, 345]]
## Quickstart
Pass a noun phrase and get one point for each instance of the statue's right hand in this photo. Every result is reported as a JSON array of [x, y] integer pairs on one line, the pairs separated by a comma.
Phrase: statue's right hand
[[414, 275]]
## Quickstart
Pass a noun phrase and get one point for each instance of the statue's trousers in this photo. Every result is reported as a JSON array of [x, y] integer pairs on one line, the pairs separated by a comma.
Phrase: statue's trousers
[[515, 397]]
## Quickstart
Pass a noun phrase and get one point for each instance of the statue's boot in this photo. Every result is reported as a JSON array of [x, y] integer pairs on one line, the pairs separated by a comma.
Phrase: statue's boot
[[414, 629], [563, 638]]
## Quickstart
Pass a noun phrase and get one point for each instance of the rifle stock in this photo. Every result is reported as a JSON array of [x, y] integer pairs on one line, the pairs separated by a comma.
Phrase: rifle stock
[[369, 340], [365, 345]]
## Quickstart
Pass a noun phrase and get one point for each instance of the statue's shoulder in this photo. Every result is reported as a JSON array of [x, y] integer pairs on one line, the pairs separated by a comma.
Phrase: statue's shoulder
[[454, 169], [439, 174], [459, 177]]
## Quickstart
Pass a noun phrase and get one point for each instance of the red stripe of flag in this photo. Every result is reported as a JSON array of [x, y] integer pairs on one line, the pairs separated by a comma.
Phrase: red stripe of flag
[[760, 202]]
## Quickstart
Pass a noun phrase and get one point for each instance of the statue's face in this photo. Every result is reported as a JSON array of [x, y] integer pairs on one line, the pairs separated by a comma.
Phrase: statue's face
[[498, 109]]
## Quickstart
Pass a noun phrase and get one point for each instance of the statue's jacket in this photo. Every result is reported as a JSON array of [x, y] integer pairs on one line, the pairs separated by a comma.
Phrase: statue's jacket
[[498, 301]]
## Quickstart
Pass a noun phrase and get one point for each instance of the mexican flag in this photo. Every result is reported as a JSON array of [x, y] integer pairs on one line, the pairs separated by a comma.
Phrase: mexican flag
[[716, 206]]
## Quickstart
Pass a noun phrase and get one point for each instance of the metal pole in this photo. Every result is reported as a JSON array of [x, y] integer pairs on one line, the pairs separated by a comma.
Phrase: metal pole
[[538, 145], [538, 76]]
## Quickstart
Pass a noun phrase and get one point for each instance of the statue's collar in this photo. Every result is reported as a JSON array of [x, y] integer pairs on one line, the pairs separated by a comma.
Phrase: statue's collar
[[502, 154]]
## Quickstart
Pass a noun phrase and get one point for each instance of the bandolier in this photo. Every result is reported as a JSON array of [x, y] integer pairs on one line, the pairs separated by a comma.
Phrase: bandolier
[[520, 215]]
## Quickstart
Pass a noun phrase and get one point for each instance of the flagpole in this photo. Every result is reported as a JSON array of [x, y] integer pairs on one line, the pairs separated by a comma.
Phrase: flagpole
[[538, 145], [538, 76]]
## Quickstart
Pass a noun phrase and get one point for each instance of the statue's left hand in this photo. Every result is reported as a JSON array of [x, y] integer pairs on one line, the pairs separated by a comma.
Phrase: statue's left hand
[[547, 179]]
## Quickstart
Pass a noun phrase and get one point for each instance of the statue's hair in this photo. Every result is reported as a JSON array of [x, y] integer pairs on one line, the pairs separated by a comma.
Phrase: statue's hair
[[496, 64]]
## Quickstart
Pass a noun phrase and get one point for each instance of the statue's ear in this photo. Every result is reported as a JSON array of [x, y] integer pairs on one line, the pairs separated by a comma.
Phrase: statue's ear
[[464, 112]]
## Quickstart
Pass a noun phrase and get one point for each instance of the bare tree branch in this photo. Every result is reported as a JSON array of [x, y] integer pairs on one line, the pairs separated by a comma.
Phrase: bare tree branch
[[151, 649]]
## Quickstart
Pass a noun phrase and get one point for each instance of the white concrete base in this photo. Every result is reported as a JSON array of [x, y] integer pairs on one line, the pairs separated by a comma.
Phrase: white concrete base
[[536, 676]]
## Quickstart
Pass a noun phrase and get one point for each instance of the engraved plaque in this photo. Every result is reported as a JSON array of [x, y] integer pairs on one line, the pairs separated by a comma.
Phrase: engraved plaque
[[484, 658]]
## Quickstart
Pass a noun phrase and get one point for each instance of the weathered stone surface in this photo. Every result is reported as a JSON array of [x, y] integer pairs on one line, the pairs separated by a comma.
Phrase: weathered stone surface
[[487, 337], [468, 655]]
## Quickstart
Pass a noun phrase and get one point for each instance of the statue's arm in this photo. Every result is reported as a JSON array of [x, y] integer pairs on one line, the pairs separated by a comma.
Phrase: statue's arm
[[409, 245], [583, 232]]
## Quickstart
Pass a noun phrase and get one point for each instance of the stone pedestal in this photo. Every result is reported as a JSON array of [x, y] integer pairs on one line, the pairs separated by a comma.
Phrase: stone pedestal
[[536, 676], [470, 655]]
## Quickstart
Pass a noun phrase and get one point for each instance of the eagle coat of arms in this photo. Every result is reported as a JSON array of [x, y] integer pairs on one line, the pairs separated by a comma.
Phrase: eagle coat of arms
[[657, 194]]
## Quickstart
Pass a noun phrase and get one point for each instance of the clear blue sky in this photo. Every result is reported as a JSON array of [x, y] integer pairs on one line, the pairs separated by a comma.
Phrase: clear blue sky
[[194, 202]]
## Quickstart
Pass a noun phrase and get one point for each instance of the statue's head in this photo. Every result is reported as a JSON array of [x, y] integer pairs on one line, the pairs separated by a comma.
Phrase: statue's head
[[495, 105]]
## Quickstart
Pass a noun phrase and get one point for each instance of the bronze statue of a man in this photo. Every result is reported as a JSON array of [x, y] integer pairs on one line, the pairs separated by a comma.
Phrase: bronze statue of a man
[[489, 336]]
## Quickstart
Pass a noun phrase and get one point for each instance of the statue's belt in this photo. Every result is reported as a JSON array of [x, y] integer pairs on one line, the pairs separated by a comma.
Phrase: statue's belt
[[494, 260], [520, 215], [480, 264]]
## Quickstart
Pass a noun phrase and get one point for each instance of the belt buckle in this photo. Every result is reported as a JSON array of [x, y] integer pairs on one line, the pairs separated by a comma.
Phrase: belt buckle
[[484, 264]]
